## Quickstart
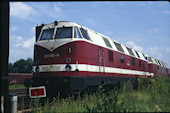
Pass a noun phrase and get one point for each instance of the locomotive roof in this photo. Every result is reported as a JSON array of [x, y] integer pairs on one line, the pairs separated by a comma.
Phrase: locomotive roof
[[137, 54]]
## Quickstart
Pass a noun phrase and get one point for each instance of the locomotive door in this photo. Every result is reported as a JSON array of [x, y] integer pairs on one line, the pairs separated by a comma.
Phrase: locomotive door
[[144, 69], [101, 60]]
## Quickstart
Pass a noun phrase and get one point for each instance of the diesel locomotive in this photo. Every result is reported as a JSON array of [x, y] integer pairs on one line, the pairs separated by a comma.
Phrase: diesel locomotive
[[71, 58]]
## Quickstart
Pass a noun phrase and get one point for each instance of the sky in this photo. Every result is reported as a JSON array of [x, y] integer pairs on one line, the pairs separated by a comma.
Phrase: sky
[[141, 25]]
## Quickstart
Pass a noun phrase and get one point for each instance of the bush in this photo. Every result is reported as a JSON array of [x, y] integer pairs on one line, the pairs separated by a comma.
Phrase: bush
[[106, 103]]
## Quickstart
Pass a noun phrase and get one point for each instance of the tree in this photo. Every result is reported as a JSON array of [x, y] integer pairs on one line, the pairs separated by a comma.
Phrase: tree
[[10, 67], [29, 65], [21, 66]]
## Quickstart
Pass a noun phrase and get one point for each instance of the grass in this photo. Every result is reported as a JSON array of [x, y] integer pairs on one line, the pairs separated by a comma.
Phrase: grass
[[16, 86], [152, 95]]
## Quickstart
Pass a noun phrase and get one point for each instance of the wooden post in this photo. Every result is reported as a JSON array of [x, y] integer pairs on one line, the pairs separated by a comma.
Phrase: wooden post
[[4, 52]]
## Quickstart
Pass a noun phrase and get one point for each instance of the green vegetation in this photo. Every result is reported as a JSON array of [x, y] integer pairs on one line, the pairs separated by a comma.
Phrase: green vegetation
[[21, 66], [16, 86], [152, 95]]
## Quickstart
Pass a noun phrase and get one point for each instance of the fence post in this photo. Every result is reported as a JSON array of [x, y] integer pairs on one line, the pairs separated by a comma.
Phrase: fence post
[[14, 100]]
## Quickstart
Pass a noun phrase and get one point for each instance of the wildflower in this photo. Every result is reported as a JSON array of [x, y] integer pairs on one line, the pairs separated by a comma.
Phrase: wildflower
[[62, 99], [100, 86], [51, 103], [157, 107]]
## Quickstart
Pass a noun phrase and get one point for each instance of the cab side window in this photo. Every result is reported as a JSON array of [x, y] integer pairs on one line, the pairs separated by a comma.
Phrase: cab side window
[[84, 33], [76, 33]]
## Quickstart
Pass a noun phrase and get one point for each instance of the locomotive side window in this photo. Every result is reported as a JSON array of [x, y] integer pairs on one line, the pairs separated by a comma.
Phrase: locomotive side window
[[137, 54], [164, 64], [159, 62], [130, 51], [133, 61], [145, 57], [153, 60], [119, 47], [156, 61], [122, 58], [84, 33], [47, 34], [107, 42], [76, 33], [110, 56], [64, 32]]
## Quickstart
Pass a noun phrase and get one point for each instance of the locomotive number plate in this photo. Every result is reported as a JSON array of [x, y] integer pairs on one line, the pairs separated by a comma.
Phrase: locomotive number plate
[[37, 92], [51, 55]]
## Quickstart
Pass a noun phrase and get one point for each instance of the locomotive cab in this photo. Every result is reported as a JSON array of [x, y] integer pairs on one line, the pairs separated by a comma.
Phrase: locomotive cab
[[60, 30]]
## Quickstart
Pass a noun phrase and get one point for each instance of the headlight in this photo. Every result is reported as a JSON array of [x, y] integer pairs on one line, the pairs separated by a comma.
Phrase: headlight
[[68, 68], [37, 69], [77, 70], [68, 60]]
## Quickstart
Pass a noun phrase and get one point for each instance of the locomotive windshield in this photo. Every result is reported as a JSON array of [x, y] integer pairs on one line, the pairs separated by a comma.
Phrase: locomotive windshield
[[64, 32], [47, 34]]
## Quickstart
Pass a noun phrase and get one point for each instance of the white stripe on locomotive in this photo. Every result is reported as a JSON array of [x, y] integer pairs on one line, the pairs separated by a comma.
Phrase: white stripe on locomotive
[[90, 68]]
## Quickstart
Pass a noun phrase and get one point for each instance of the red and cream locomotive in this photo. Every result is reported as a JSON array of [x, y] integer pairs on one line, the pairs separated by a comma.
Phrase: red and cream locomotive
[[70, 58]]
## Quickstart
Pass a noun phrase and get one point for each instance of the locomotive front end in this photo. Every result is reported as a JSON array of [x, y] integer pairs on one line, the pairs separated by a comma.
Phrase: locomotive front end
[[55, 58]]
